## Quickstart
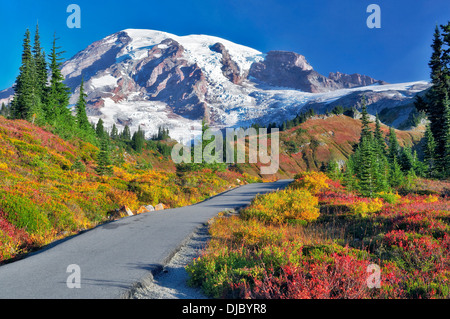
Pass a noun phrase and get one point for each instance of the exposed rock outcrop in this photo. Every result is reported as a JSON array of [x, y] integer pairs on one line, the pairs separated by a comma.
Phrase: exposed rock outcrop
[[353, 80], [229, 68], [289, 69]]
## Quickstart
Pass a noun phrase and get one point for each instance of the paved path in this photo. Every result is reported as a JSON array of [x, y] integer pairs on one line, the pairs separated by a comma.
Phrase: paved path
[[114, 257]]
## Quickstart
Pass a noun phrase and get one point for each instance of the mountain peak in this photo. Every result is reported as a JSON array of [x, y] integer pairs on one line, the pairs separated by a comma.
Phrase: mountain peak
[[149, 78]]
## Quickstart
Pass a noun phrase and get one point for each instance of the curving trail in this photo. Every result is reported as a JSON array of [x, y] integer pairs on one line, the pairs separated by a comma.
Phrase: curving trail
[[118, 256]]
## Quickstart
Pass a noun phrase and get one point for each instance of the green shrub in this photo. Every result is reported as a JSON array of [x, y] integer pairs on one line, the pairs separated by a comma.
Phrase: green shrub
[[23, 213]]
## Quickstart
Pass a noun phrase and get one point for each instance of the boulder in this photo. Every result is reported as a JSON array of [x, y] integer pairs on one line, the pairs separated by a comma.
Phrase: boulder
[[142, 210], [127, 210], [159, 207]]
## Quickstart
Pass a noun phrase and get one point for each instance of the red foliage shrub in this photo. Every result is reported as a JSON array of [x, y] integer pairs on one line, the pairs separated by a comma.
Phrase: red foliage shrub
[[342, 277]]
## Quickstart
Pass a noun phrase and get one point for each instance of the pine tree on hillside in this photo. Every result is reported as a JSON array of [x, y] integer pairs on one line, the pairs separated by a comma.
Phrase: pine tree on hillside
[[349, 178], [4, 110], [41, 66], [366, 172], [99, 129], [80, 108], [138, 140], [394, 147], [368, 167], [446, 136], [429, 155], [365, 131], [379, 138], [114, 132], [406, 159], [396, 176], [434, 103], [26, 103], [104, 165], [126, 134], [57, 110]]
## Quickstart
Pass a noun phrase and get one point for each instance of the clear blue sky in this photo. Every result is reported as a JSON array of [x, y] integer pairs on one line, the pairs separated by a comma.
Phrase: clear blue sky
[[332, 34]]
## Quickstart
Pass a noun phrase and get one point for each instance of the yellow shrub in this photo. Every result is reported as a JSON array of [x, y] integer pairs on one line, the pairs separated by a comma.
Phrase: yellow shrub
[[365, 208], [3, 166], [122, 174], [429, 199], [311, 181], [283, 206]]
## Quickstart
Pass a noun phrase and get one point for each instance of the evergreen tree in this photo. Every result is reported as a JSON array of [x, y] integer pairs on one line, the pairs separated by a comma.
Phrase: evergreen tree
[[396, 176], [41, 66], [436, 100], [80, 108], [382, 173], [26, 103], [57, 111], [99, 129], [126, 134], [429, 155], [378, 134], [365, 131], [138, 140], [446, 135], [349, 178], [367, 167], [406, 159], [4, 110], [394, 147], [114, 132], [333, 170], [104, 165]]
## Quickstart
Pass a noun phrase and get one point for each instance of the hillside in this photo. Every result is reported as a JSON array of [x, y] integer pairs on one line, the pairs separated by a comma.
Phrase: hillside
[[46, 195], [320, 140], [50, 189]]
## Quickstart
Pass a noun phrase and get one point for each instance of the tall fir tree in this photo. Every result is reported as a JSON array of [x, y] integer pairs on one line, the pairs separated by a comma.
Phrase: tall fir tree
[[436, 99], [99, 129], [4, 110], [126, 134], [41, 66], [367, 168], [349, 179], [57, 110], [80, 108], [114, 132], [394, 147], [365, 131], [446, 135], [138, 140], [429, 155], [379, 138], [366, 172], [26, 103], [104, 164], [396, 177]]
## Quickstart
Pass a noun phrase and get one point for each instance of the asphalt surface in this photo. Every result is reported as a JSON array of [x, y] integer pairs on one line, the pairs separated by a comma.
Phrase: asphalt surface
[[116, 258]]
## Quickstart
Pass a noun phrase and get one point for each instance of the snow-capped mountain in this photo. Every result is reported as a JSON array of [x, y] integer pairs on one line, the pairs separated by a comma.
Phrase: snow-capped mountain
[[151, 78]]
